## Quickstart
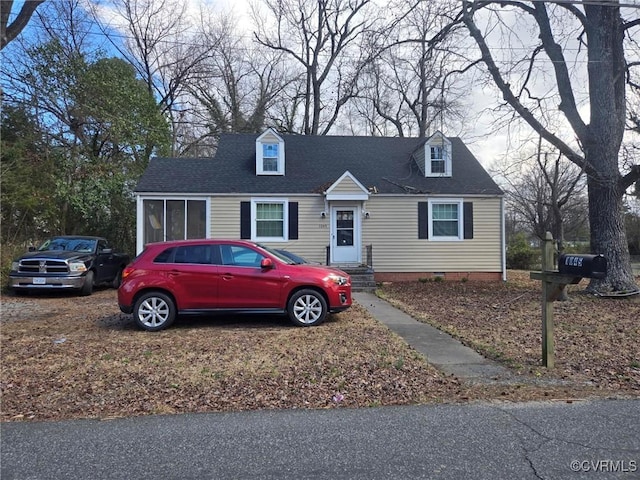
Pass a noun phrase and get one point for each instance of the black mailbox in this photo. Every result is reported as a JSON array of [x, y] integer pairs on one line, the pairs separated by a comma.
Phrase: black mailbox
[[588, 266]]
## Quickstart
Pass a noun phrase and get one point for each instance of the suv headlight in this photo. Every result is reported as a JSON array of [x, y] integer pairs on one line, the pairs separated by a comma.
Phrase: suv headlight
[[77, 267], [15, 266], [337, 279]]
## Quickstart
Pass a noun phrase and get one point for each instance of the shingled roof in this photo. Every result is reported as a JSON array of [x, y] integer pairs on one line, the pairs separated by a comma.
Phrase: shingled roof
[[312, 164]]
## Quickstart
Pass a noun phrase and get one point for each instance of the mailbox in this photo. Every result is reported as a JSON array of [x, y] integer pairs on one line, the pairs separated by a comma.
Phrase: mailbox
[[588, 266]]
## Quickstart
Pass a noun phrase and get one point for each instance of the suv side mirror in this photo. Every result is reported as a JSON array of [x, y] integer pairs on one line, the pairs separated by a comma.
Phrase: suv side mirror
[[266, 264]]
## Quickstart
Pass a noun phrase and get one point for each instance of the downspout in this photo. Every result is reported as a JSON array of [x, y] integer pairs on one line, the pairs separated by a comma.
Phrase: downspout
[[503, 240]]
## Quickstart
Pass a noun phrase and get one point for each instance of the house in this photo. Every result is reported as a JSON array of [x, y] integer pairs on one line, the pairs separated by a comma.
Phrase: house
[[407, 207]]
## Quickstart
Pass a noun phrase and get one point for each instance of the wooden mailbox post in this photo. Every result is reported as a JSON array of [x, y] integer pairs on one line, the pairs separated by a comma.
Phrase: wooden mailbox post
[[552, 284], [572, 268]]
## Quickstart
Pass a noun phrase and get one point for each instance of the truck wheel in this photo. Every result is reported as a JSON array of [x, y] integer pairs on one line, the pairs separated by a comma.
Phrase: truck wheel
[[87, 288], [154, 311], [117, 279], [307, 308]]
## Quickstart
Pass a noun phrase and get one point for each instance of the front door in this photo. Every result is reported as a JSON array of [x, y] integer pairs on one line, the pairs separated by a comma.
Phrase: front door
[[345, 235]]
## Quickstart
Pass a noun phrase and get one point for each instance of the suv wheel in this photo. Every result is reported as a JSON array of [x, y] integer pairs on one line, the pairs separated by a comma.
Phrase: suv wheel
[[154, 311], [307, 308]]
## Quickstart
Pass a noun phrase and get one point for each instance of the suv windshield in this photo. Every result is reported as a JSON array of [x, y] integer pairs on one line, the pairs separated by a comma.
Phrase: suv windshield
[[278, 254], [83, 245]]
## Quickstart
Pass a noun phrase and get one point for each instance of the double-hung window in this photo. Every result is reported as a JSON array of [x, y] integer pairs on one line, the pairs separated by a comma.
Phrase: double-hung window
[[445, 219], [437, 160], [270, 157], [269, 219], [270, 153]]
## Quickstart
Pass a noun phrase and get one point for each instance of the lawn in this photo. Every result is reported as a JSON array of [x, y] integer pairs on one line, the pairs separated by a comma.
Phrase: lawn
[[79, 357], [597, 340]]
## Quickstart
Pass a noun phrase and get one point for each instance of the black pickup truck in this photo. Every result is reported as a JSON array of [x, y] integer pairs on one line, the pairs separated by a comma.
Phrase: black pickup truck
[[68, 262]]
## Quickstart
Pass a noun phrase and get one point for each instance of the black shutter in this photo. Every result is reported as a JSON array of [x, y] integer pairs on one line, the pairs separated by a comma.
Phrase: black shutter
[[245, 220], [468, 220], [293, 220], [423, 219]]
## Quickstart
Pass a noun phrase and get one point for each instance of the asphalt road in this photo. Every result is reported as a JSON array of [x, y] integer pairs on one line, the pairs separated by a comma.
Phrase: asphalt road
[[549, 440]]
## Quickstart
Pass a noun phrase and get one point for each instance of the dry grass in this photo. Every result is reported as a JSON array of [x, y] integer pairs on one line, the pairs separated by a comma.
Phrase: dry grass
[[69, 357], [596, 339], [78, 357]]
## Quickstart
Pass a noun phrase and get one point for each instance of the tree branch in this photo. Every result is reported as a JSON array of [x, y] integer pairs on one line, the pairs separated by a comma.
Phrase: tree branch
[[554, 51], [508, 95], [631, 24], [630, 178], [9, 32]]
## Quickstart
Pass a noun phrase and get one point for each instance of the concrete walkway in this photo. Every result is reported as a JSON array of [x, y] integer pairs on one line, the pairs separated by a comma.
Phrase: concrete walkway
[[440, 349]]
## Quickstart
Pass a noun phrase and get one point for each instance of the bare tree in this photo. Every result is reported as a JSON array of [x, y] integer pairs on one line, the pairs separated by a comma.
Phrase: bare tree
[[237, 85], [600, 30], [62, 49], [319, 37], [546, 194], [408, 85], [164, 46], [9, 31]]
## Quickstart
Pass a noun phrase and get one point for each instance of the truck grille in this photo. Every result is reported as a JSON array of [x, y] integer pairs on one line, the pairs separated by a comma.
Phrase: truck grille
[[44, 266]]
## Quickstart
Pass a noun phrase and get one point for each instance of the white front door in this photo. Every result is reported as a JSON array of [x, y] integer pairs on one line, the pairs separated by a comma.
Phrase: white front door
[[345, 235]]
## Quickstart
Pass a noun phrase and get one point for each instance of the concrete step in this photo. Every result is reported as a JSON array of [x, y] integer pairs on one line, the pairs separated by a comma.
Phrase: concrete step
[[362, 278]]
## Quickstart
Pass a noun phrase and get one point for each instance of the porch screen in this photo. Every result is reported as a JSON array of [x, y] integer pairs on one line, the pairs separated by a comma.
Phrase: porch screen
[[174, 219]]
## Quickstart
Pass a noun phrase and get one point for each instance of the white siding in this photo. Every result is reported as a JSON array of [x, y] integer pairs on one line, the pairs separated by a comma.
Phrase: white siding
[[313, 230], [347, 185], [269, 138], [391, 229]]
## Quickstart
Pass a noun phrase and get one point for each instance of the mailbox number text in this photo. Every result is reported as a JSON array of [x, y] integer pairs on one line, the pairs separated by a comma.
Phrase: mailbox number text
[[573, 261]]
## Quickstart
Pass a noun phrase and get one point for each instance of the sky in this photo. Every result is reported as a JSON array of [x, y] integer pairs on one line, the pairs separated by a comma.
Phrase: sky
[[485, 143], [487, 149]]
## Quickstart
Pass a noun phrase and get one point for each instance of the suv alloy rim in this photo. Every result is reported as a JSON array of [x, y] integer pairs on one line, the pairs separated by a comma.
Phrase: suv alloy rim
[[153, 312], [307, 308]]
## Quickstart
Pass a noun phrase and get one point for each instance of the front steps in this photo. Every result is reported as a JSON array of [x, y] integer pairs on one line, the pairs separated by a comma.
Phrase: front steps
[[362, 278]]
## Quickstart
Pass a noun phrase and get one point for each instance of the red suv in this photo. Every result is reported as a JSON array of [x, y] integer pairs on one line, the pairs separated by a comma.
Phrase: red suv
[[202, 276]]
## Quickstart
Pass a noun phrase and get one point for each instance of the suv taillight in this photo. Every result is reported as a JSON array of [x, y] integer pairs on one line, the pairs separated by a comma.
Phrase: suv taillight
[[127, 271]]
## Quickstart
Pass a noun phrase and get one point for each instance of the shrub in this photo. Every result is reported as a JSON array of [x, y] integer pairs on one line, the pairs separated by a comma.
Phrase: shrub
[[520, 255], [8, 253], [577, 247]]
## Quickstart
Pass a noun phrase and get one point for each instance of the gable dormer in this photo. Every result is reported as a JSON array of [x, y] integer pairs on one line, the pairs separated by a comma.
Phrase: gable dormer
[[435, 160], [269, 154], [347, 187]]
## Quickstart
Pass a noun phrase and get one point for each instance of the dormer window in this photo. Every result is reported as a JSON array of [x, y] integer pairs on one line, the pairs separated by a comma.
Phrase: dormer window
[[270, 157], [437, 157], [269, 154], [437, 160]]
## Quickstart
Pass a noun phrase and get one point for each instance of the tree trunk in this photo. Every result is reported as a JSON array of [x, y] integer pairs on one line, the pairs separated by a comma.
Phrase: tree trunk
[[602, 146], [601, 138], [605, 210]]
